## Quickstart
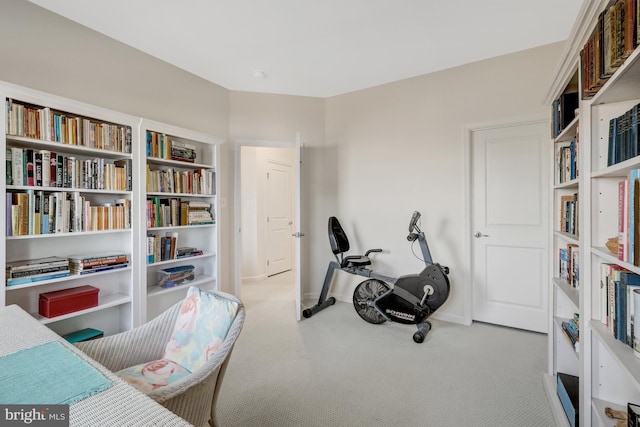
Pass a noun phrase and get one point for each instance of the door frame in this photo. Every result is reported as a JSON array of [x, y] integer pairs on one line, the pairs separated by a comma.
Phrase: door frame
[[237, 218], [467, 132]]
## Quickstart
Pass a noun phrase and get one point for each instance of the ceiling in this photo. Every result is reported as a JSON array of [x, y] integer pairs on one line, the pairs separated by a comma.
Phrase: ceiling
[[322, 48]]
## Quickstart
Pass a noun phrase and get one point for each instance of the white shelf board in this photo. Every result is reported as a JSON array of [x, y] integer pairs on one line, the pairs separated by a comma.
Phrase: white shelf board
[[621, 352], [158, 290], [106, 301]]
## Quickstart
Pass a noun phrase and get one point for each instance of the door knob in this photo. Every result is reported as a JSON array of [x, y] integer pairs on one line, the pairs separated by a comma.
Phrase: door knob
[[478, 235]]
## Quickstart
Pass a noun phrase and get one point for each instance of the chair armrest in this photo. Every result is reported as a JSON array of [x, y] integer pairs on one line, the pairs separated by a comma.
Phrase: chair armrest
[[139, 345], [372, 250]]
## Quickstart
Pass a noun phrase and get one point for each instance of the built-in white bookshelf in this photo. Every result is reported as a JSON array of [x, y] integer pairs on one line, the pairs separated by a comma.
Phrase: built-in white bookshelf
[[77, 202], [184, 184], [608, 369], [101, 181]]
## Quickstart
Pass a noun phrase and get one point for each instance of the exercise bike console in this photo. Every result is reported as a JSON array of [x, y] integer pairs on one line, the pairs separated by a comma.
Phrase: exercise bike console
[[408, 299]]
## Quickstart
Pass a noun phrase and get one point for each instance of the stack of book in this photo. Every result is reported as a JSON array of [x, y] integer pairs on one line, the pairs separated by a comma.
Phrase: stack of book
[[35, 270], [183, 151], [186, 252], [199, 213], [572, 331], [94, 263]]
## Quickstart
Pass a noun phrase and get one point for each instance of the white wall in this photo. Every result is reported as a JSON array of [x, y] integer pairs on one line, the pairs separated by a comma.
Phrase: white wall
[[371, 156], [44, 51], [400, 148], [249, 215]]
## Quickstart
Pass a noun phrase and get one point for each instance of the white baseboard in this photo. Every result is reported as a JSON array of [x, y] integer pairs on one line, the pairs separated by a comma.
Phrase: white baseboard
[[257, 278]]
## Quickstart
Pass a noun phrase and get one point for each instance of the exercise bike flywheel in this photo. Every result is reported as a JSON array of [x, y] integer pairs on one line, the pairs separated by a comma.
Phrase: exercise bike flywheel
[[363, 296]]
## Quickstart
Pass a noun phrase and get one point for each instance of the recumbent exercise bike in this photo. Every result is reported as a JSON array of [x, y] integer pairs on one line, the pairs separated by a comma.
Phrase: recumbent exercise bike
[[408, 299]]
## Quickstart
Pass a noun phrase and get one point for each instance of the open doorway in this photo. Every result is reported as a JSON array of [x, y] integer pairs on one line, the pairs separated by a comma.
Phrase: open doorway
[[266, 201]]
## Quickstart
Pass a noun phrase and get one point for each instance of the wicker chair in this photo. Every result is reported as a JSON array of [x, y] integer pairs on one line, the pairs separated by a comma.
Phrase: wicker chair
[[193, 397]]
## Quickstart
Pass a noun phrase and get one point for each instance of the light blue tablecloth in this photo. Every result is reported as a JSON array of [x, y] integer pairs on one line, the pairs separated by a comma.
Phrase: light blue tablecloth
[[47, 374]]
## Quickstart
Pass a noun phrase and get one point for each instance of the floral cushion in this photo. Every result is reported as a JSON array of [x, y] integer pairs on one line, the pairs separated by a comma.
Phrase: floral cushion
[[200, 329], [149, 376]]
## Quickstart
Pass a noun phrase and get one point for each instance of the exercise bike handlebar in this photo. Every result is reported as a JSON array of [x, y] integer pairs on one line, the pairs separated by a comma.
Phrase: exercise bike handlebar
[[372, 250]]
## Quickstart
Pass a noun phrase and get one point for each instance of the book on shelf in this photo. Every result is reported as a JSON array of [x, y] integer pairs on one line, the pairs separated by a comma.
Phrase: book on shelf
[[183, 151], [611, 42], [38, 278], [102, 268], [158, 145], [39, 270], [170, 180], [168, 212], [623, 137], [628, 216], [95, 262], [625, 307], [43, 212], [8, 205], [34, 270], [569, 213], [17, 166], [37, 122], [186, 252], [163, 146], [617, 312], [632, 215], [564, 109], [569, 264], [623, 221], [567, 162], [609, 274], [44, 168], [162, 247], [85, 334], [567, 387], [27, 264], [571, 331]]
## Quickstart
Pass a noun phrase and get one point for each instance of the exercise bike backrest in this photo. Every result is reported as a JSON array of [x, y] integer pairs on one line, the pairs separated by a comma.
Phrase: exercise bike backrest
[[340, 245]]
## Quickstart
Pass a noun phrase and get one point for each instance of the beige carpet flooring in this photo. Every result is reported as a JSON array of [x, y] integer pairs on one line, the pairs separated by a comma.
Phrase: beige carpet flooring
[[334, 369]]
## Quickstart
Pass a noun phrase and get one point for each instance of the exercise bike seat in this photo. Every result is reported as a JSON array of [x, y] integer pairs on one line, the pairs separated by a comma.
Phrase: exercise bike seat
[[340, 244]]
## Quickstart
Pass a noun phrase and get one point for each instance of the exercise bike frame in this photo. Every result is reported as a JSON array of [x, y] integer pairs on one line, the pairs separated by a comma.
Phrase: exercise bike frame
[[414, 234]]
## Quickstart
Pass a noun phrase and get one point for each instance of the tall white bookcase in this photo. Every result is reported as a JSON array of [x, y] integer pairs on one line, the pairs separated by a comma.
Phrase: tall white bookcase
[[161, 185], [128, 296], [117, 309], [608, 370]]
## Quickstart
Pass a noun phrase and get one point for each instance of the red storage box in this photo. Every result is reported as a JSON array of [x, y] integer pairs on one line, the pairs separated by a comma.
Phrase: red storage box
[[57, 303]]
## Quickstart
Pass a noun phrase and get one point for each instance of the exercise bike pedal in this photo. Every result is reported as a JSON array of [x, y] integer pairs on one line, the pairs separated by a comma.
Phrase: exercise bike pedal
[[423, 330]]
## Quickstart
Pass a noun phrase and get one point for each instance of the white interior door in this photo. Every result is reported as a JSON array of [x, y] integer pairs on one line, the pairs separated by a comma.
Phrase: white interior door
[[279, 218], [510, 225]]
